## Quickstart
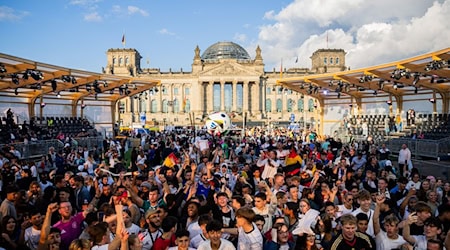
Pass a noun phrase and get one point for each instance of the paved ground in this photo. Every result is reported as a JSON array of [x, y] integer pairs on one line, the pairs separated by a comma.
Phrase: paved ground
[[432, 167]]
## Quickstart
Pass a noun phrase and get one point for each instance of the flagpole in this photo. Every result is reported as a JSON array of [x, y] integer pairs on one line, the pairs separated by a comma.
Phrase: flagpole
[[281, 68]]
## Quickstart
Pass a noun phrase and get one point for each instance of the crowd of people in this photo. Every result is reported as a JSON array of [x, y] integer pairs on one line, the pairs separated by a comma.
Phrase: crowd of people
[[266, 190]]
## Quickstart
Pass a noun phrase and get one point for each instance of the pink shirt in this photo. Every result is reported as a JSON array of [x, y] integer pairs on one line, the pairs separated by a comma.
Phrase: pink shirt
[[70, 230]]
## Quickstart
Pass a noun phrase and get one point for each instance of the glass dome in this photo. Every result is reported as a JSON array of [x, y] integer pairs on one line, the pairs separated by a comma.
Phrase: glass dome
[[225, 50]]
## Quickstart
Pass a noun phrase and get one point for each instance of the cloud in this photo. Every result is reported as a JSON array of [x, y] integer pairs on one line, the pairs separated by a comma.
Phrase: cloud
[[240, 38], [128, 11], [9, 14], [135, 10], [84, 2], [371, 32], [165, 31], [93, 17]]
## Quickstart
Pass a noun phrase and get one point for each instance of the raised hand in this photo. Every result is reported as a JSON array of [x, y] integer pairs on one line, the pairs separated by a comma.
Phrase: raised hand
[[412, 218], [380, 199]]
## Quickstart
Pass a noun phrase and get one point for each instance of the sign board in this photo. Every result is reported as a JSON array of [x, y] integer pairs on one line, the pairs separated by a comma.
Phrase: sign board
[[143, 118]]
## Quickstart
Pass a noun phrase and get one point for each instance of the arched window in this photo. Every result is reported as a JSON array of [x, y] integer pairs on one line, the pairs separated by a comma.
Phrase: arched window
[[300, 105], [165, 107], [324, 60], [289, 104], [311, 105], [176, 106], [279, 105], [154, 106], [269, 105], [126, 61], [187, 107], [337, 60], [114, 61], [120, 61], [331, 60]]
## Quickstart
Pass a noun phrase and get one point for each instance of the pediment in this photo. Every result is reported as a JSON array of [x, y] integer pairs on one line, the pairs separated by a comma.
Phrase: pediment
[[230, 69]]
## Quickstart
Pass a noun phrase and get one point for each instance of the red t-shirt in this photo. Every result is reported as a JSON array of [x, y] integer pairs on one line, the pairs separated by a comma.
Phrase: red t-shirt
[[163, 244]]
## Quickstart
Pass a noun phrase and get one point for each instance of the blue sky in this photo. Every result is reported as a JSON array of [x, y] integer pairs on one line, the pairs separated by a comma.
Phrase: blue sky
[[77, 33]]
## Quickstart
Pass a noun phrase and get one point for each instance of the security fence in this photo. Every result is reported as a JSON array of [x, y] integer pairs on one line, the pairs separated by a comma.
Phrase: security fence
[[436, 149], [34, 150]]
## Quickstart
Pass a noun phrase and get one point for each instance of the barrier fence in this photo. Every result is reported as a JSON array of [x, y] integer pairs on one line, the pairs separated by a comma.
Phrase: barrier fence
[[34, 150], [436, 149]]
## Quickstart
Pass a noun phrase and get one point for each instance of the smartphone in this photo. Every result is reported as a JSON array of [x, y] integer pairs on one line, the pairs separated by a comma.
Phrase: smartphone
[[101, 216]]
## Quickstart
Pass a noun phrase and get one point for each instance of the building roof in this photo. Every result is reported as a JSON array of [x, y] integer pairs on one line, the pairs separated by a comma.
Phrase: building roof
[[225, 50]]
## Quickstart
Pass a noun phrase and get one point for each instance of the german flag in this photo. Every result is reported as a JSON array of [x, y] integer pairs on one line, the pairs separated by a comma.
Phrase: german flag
[[293, 163]]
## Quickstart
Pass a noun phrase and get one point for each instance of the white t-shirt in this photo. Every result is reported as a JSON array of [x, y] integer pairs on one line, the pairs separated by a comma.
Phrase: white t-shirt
[[134, 229], [32, 237], [224, 245], [384, 243], [343, 210], [421, 242], [370, 215], [197, 240], [102, 247], [194, 229], [250, 241]]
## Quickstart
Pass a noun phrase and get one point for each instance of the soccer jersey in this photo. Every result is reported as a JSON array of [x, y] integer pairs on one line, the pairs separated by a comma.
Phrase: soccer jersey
[[252, 240], [360, 242]]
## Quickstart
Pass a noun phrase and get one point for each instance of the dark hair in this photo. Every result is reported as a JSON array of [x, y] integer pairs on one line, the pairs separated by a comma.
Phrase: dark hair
[[182, 233], [261, 195], [97, 231], [294, 206], [5, 220], [214, 225], [259, 217], [168, 223], [48, 193], [239, 199], [204, 219], [362, 216]]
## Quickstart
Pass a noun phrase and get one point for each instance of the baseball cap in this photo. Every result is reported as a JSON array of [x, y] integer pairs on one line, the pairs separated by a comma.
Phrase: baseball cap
[[388, 163], [146, 184], [150, 212]]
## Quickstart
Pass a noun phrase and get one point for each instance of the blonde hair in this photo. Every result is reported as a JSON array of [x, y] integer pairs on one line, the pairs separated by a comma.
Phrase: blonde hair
[[80, 244]]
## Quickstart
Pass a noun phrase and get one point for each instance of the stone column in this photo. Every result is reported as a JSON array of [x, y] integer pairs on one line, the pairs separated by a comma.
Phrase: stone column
[[182, 108], [210, 97], [234, 101], [254, 98], [264, 95], [245, 101], [222, 96]]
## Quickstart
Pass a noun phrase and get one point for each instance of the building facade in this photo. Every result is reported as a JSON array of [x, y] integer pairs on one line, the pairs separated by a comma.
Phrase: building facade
[[223, 78]]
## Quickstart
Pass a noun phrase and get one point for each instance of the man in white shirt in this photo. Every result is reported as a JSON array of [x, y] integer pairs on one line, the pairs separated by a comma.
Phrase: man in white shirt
[[215, 240], [404, 156], [250, 237], [388, 239], [365, 201], [33, 232]]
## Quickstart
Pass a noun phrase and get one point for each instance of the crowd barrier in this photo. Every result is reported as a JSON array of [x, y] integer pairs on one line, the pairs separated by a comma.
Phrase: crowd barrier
[[35, 150], [436, 149]]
